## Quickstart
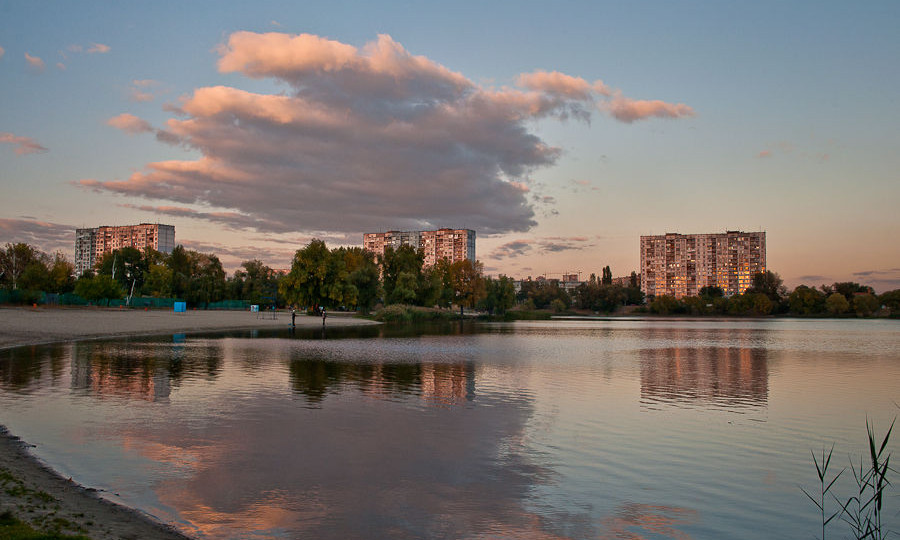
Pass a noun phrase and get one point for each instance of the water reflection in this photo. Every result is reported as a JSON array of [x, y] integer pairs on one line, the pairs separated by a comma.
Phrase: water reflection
[[21, 368], [731, 378], [446, 384], [633, 521]]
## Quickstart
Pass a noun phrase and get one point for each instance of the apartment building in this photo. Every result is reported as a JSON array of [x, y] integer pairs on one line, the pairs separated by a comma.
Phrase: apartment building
[[450, 244], [92, 244], [681, 264]]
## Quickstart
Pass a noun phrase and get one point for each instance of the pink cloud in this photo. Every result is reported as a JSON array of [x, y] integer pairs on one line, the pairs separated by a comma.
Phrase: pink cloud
[[35, 62], [764, 154], [60, 66], [560, 83], [630, 110], [98, 48], [24, 145], [363, 138], [130, 124], [2, 52]]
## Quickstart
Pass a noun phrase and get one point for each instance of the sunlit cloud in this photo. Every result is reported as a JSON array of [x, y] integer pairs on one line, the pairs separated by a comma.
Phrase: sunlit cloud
[[98, 48], [142, 90], [631, 110], [130, 124], [2, 52], [365, 138], [35, 62], [24, 145]]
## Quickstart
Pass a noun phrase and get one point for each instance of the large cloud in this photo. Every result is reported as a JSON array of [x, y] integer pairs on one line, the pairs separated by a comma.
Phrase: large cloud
[[370, 138]]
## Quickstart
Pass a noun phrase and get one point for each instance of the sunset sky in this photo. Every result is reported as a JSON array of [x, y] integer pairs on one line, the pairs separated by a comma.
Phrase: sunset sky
[[561, 132]]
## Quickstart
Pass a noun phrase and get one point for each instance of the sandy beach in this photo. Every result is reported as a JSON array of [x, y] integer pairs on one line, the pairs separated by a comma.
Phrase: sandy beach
[[36, 494]]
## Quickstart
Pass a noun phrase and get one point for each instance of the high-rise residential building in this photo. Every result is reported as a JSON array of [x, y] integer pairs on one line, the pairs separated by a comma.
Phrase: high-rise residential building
[[450, 244], [92, 244], [681, 264]]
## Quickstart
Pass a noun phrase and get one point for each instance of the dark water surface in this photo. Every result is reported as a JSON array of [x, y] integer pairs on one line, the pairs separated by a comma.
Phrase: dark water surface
[[638, 429]]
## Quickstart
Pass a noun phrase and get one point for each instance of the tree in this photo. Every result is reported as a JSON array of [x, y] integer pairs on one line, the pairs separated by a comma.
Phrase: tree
[[837, 304], [607, 276], [770, 284], [159, 281], [128, 265], [252, 282], [363, 276], [711, 291], [634, 281], [500, 294], [62, 274], [14, 259], [100, 287], [848, 289], [401, 271], [865, 304], [665, 304], [891, 300], [307, 282], [806, 301], [468, 284]]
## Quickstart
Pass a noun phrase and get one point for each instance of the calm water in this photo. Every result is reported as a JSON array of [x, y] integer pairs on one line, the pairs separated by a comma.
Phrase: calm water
[[564, 429]]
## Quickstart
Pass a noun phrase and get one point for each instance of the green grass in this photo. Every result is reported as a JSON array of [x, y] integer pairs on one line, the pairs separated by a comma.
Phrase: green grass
[[13, 528]]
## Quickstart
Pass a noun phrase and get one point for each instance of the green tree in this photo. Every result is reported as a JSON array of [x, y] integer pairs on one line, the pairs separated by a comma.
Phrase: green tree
[[62, 274], [500, 294], [665, 305], [837, 304], [307, 282], [401, 271], [252, 282], [128, 265], [207, 279], [891, 300], [14, 260], [849, 288], [865, 304], [362, 274], [159, 281], [806, 301], [97, 288], [437, 286]]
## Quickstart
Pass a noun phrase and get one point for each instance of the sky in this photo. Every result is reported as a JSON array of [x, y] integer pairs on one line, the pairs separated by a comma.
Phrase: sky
[[560, 132]]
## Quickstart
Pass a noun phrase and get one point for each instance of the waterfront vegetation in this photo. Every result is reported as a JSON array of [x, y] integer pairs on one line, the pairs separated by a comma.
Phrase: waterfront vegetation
[[398, 286]]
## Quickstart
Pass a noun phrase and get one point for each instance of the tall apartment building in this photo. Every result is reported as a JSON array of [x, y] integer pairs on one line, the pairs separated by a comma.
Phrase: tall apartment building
[[450, 244], [681, 264], [92, 244]]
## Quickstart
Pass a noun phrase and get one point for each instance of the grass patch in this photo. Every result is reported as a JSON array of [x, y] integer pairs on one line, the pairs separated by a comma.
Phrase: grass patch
[[13, 528], [396, 313]]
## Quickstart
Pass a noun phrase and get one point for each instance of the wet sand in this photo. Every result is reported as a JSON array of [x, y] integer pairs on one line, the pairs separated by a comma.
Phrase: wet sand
[[38, 495]]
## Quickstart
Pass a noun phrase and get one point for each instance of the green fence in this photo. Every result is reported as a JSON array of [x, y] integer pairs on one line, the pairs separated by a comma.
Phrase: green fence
[[25, 297]]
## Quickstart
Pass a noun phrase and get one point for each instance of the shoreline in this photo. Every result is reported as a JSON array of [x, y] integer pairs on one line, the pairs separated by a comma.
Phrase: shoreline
[[38, 495]]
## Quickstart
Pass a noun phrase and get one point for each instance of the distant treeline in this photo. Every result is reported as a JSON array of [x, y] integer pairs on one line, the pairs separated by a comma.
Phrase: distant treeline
[[352, 279]]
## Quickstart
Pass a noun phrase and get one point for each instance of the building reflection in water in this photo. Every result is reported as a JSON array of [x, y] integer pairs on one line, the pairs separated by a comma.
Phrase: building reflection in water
[[731, 378]]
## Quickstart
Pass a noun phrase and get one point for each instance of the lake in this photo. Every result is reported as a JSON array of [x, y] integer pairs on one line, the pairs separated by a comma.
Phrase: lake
[[621, 428]]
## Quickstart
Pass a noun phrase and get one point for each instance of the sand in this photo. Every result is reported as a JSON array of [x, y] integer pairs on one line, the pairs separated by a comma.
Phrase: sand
[[37, 494]]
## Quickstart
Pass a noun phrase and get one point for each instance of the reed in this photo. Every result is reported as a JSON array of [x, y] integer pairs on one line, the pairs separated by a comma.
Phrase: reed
[[863, 511]]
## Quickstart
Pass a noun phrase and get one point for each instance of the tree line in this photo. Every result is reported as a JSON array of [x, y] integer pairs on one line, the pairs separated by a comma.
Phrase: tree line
[[768, 296], [354, 279]]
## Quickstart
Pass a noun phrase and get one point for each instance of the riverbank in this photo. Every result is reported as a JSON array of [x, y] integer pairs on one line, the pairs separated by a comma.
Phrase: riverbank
[[37, 326], [36, 494]]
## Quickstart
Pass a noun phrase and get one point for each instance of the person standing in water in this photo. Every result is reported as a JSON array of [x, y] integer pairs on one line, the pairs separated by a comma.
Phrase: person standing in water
[[293, 317], [323, 315]]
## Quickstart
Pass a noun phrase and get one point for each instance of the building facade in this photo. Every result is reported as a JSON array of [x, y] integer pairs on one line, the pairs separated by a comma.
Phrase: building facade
[[451, 244], [681, 264], [92, 244]]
